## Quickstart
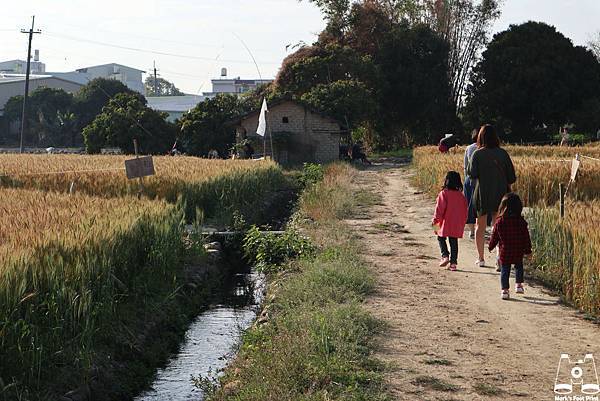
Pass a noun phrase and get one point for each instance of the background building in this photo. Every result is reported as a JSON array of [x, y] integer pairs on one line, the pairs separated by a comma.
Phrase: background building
[[175, 106], [234, 86], [20, 66], [14, 85]]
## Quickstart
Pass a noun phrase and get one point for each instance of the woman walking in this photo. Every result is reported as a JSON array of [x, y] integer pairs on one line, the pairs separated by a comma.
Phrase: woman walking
[[470, 183], [493, 169]]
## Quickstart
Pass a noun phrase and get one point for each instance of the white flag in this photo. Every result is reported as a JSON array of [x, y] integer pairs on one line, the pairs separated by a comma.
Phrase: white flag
[[262, 119]]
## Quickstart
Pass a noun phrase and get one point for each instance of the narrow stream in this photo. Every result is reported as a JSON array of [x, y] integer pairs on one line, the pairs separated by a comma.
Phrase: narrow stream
[[209, 342]]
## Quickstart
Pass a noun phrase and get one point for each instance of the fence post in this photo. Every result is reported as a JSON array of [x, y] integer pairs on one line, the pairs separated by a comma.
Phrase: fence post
[[141, 180], [561, 189]]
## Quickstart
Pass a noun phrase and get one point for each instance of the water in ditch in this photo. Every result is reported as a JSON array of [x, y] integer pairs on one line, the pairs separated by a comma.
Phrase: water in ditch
[[209, 342]]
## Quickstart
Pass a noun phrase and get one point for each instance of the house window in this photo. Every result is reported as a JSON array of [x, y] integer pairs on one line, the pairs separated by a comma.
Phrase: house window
[[285, 120]]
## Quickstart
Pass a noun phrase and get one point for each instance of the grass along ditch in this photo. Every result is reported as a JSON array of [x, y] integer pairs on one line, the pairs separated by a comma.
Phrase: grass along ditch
[[314, 338]]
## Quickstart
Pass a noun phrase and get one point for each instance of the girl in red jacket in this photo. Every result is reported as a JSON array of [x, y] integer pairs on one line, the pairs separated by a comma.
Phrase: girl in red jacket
[[512, 237], [450, 218]]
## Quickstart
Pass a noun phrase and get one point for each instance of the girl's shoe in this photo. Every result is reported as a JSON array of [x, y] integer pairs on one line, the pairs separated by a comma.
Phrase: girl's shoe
[[444, 262], [480, 263], [452, 267], [520, 289], [505, 294]]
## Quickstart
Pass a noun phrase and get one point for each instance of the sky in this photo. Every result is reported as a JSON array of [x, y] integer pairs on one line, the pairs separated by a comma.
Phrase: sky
[[203, 36]]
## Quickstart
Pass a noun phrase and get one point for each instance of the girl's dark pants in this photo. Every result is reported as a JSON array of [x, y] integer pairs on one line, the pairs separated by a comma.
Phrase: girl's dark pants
[[453, 254], [505, 275]]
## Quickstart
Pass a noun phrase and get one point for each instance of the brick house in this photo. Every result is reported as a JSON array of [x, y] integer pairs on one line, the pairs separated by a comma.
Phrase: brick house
[[299, 133]]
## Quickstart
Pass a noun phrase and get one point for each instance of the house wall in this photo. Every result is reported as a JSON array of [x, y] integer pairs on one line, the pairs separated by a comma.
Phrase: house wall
[[313, 137]]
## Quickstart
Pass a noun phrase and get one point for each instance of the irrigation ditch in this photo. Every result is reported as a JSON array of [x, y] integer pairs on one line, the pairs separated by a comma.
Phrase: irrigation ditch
[[176, 325]]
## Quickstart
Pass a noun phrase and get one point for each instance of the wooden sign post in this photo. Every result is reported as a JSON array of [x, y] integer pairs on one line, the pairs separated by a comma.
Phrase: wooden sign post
[[139, 167]]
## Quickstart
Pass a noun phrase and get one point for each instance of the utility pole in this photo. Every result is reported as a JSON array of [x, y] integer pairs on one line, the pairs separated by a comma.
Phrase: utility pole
[[155, 81], [30, 32]]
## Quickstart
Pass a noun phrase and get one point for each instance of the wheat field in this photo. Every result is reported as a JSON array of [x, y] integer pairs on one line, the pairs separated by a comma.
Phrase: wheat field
[[539, 171], [105, 175], [70, 260]]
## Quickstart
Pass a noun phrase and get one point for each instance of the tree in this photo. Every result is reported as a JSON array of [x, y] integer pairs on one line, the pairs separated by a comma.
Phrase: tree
[[164, 87], [50, 117], [336, 13], [594, 45], [416, 91], [463, 24], [90, 99], [531, 77], [310, 66], [125, 118], [205, 126], [348, 101]]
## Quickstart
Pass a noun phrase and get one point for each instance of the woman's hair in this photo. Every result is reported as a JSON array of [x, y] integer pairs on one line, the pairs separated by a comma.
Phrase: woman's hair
[[474, 135], [487, 137], [453, 181], [511, 205]]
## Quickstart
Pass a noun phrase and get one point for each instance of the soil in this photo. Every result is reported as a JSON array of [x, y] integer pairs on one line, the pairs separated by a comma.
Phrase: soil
[[450, 336]]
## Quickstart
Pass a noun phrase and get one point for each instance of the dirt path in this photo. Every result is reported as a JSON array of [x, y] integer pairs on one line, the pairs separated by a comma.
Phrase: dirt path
[[451, 329]]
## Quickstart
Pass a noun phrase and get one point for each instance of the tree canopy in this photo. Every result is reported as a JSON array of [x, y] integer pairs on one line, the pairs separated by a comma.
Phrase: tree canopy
[[532, 79], [94, 96], [50, 118], [125, 118], [205, 126], [163, 87], [375, 69]]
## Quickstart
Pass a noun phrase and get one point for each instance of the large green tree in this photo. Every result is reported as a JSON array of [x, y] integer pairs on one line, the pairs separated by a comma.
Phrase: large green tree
[[90, 99], [532, 78], [205, 126], [50, 118], [125, 118], [415, 93], [161, 87]]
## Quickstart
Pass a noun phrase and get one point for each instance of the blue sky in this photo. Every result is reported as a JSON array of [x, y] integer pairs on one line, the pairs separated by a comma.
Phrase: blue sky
[[208, 34]]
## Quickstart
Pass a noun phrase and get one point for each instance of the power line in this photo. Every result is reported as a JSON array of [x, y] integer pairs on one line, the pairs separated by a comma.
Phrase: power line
[[160, 53]]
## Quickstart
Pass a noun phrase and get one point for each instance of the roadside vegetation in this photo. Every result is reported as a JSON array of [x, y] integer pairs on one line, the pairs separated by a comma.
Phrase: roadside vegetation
[[566, 251], [314, 338]]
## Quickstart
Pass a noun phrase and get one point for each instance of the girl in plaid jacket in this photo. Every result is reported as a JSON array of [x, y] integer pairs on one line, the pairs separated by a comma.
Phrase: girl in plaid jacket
[[511, 235]]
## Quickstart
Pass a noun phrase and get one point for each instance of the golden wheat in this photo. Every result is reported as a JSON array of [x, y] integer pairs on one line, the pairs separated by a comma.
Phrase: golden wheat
[[538, 176], [105, 175]]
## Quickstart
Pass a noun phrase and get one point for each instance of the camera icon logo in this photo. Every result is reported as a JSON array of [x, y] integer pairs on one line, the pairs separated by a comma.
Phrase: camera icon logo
[[581, 373]]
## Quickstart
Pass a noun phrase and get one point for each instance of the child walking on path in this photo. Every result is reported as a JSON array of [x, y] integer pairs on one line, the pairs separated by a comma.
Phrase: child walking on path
[[450, 218], [511, 235]]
